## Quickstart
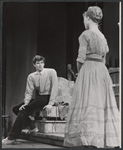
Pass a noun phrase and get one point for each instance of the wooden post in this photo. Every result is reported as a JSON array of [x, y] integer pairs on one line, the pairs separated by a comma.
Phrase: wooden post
[[69, 75], [120, 65]]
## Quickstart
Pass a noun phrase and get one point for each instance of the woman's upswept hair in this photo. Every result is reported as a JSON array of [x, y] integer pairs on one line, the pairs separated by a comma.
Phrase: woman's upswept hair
[[38, 58], [94, 13]]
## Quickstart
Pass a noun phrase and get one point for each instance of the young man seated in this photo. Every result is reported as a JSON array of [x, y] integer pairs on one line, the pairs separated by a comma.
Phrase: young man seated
[[45, 81]]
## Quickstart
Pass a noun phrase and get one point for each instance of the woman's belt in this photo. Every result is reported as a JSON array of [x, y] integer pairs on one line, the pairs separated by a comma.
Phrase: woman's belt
[[93, 59]]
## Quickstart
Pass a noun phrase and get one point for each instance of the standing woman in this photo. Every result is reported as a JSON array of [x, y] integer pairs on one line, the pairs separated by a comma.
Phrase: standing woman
[[93, 116]]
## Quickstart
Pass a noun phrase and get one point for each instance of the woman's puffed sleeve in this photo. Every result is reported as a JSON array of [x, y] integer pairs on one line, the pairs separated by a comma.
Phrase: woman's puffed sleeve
[[83, 44], [106, 51]]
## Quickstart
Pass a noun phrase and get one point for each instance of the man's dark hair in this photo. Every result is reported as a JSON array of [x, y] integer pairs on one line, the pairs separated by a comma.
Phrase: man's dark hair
[[38, 58]]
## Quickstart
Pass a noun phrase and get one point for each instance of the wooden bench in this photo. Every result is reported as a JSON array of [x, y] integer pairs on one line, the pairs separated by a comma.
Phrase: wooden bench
[[56, 119]]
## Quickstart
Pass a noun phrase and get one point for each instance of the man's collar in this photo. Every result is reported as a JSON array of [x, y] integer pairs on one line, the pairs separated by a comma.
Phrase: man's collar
[[38, 73]]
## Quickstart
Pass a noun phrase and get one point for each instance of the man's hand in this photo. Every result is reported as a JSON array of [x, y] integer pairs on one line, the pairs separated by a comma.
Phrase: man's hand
[[22, 107], [48, 108]]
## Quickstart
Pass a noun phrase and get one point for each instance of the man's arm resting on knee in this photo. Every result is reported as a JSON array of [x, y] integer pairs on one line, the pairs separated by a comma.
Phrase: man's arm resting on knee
[[28, 92], [54, 91]]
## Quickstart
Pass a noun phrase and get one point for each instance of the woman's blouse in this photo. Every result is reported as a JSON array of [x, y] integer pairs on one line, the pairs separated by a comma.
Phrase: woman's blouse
[[91, 43]]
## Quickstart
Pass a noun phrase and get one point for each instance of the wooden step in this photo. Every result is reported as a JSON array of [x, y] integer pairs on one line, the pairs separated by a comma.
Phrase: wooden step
[[48, 138], [114, 70], [50, 132]]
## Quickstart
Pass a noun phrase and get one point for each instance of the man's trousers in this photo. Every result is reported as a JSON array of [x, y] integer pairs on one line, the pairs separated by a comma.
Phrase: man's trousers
[[23, 116]]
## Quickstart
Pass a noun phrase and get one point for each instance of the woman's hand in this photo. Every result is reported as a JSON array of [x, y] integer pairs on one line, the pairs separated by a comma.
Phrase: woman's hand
[[79, 65]]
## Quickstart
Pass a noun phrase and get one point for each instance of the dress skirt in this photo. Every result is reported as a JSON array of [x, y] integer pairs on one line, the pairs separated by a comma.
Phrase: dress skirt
[[93, 116]]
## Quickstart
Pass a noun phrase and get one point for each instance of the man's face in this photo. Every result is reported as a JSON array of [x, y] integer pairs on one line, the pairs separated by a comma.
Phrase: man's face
[[39, 65]]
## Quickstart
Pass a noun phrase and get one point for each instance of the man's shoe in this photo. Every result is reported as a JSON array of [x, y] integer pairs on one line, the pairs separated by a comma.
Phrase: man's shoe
[[35, 130], [29, 131], [6, 141]]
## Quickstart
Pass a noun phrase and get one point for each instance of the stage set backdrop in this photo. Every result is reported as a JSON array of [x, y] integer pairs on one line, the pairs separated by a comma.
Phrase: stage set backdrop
[[50, 29]]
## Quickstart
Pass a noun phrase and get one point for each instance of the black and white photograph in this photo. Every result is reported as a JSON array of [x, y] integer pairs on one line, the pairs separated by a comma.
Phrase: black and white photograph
[[61, 74]]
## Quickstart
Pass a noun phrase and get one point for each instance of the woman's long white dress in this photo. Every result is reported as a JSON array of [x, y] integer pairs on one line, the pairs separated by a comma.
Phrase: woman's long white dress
[[93, 116]]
